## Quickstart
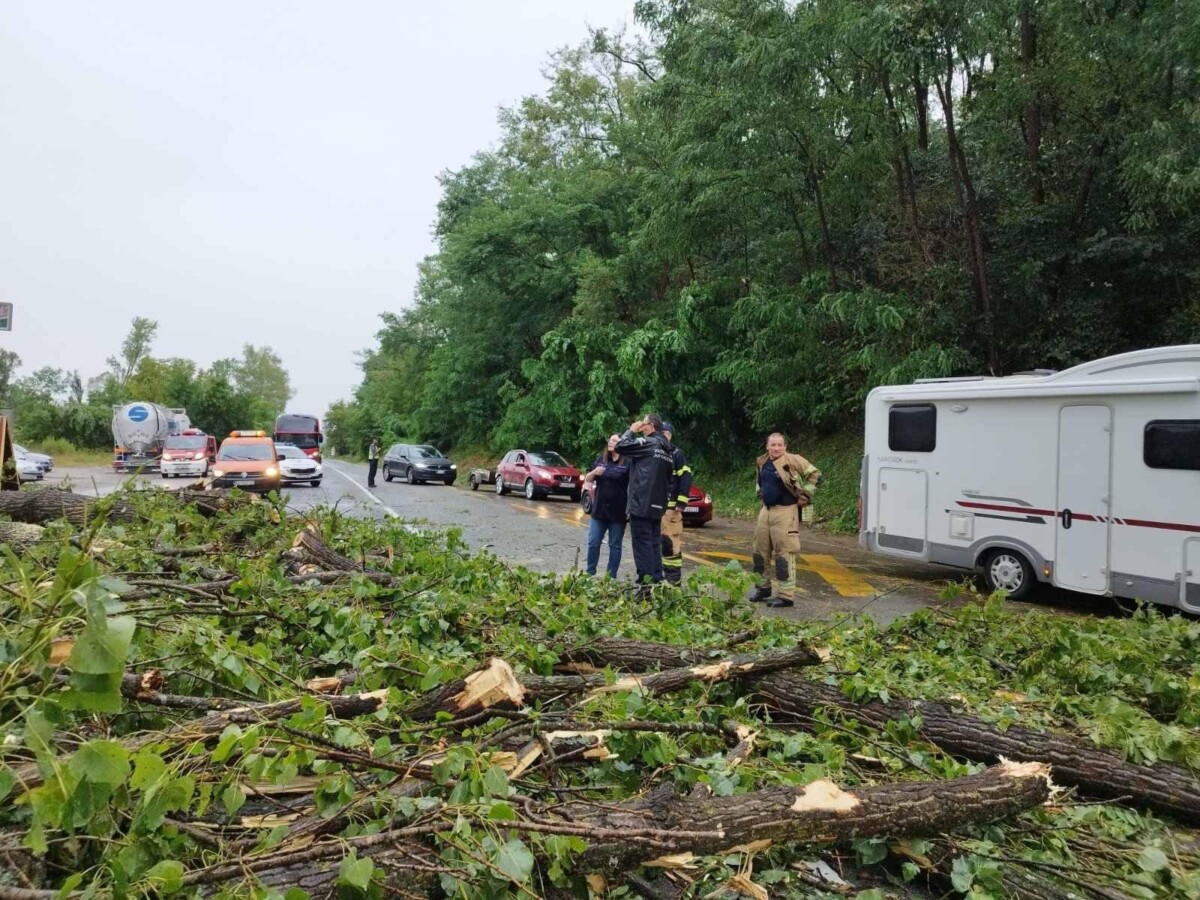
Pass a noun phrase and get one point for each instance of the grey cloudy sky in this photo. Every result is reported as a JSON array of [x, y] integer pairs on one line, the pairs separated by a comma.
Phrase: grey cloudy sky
[[258, 172]]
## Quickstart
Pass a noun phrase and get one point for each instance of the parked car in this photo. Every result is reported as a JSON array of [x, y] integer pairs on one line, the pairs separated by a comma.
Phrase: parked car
[[417, 464], [297, 467], [188, 454], [698, 511], [43, 460], [28, 470], [538, 474], [247, 460]]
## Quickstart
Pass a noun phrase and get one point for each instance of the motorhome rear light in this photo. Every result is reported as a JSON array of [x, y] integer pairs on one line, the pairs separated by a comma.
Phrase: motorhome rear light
[[860, 513]]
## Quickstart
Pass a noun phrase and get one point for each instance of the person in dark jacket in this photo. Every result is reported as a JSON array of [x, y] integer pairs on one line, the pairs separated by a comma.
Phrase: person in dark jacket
[[672, 520], [610, 472], [650, 465]]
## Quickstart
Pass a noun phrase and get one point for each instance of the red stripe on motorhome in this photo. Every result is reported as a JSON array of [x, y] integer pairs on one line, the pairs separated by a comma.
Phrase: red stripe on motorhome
[[1082, 517]]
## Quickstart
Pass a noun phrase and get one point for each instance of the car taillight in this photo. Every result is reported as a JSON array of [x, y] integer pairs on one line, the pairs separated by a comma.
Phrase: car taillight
[[199, 454]]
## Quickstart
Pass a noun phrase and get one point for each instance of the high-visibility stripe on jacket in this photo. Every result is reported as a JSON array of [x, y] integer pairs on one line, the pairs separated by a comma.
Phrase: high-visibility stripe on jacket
[[681, 479]]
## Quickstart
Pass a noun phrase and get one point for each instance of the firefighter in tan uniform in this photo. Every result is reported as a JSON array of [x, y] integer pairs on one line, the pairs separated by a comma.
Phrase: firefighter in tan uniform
[[786, 483]]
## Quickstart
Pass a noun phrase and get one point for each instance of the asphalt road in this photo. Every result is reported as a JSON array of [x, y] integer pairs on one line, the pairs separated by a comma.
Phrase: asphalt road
[[835, 576]]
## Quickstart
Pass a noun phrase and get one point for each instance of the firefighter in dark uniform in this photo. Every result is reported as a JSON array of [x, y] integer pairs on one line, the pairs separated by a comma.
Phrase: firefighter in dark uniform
[[672, 521]]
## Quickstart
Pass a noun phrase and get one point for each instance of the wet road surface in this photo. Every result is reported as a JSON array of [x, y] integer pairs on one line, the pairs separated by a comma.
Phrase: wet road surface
[[835, 575]]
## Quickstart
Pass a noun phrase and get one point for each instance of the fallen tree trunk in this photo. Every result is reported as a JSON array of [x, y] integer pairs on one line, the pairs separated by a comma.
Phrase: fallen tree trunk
[[633, 656], [621, 836], [309, 553], [48, 504], [1076, 761], [20, 536], [745, 665]]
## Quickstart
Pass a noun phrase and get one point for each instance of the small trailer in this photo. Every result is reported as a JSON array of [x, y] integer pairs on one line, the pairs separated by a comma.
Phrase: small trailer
[[480, 476], [1088, 479]]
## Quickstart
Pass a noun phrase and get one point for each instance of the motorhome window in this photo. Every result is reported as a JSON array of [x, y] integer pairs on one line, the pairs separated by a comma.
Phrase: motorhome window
[[912, 428], [1172, 444]]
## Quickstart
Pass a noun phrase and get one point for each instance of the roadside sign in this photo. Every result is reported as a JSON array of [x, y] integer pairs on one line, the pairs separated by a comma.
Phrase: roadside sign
[[5, 317]]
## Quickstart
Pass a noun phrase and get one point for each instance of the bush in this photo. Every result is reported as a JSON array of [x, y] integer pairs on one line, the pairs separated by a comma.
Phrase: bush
[[55, 447]]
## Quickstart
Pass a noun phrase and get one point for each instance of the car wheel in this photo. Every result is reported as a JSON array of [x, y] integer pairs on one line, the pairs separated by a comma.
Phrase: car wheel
[[1008, 571], [449, 482], [410, 476], [316, 482], [387, 473], [586, 502], [576, 495], [531, 492], [165, 476], [474, 483], [501, 489]]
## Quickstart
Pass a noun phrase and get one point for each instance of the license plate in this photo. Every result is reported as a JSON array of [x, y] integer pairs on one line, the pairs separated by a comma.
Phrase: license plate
[[249, 482], [691, 509]]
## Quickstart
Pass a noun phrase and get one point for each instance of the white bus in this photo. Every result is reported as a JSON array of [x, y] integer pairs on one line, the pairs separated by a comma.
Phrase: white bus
[[1088, 479]]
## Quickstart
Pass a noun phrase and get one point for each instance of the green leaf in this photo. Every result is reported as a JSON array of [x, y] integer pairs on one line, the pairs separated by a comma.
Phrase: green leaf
[[101, 762], [168, 875], [872, 894], [495, 782], [514, 860], [871, 850], [356, 872], [962, 875], [103, 646], [233, 798], [1153, 859]]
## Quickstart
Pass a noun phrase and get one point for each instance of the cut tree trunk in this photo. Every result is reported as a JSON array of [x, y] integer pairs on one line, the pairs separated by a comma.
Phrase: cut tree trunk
[[309, 553], [634, 656], [1076, 761], [49, 504], [20, 536]]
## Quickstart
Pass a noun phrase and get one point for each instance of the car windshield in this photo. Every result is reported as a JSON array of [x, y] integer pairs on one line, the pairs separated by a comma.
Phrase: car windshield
[[251, 452], [290, 452], [426, 452], [300, 440], [547, 458], [186, 442]]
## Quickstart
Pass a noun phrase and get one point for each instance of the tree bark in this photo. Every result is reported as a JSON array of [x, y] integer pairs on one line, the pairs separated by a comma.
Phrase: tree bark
[[820, 811], [44, 505], [20, 536], [921, 92], [968, 202], [1033, 106], [633, 656], [1076, 761], [310, 552]]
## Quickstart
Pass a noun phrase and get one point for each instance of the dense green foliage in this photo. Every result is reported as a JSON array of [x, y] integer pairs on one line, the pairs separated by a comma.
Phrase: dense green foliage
[[130, 805], [769, 207], [52, 404]]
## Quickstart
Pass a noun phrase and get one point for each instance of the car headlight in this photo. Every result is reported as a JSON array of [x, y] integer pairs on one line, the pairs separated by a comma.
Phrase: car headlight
[[708, 498], [218, 473], [271, 471], [453, 466]]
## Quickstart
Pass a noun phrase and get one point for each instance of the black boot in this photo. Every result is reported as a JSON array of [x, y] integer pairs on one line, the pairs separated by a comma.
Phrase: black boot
[[780, 602], [759, 593]]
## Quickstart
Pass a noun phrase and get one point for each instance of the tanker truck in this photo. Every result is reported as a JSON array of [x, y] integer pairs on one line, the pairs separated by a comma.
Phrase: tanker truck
[[139, 430]]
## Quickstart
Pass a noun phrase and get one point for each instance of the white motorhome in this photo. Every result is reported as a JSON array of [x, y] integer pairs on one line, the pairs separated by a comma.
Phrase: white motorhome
[[1088, 479]]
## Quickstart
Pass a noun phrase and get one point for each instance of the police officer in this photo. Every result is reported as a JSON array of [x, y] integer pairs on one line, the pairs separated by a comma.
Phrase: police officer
[[786, 483], [672, 520], [372, 461], [649, 455]]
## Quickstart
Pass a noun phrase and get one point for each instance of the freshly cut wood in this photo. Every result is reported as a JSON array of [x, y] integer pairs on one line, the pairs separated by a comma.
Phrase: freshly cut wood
[[819, 811], [746, 665], [493, 685], [1076, 761], [20, 536], [309, 553]]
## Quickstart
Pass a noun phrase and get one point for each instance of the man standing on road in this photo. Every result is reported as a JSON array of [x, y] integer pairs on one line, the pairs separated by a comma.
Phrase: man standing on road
[[372, 461], [649, 455], [672, 520], [786, 482]]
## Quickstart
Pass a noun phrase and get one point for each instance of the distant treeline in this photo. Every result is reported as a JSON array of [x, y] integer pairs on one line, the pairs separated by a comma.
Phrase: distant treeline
[[769, 207], [59, 405]]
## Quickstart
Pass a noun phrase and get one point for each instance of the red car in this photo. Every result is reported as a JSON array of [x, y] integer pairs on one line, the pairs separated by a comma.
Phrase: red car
[[698, 511], [538, 474]]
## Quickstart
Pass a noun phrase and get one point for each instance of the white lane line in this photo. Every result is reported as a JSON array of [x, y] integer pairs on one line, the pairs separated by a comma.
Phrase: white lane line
[[362, 487]]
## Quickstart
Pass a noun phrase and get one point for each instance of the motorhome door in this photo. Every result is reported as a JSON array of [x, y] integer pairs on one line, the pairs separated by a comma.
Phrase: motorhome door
[[1081, 544], [903, 505], [1190, 582]]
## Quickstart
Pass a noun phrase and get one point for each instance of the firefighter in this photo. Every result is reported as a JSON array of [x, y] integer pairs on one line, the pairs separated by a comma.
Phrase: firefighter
[[649, 457], [672, 521], [786, 483]]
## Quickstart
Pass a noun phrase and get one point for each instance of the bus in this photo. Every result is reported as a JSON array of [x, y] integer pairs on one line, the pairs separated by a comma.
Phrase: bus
[[301, 431]]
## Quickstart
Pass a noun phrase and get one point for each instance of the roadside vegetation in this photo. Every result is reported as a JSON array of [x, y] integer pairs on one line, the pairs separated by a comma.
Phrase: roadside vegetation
[[764, 209], [58, 411], [201, 695]]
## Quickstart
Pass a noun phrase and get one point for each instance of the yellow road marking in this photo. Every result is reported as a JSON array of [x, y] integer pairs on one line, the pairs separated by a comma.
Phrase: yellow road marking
[[721, 554], [843, 580]]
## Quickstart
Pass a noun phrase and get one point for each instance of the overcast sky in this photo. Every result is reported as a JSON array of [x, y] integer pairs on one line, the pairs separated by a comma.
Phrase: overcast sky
[[258, 172]]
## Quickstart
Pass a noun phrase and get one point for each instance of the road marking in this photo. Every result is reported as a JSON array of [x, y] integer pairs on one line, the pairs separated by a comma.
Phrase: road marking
[[843, 580], [721, 554], [366, 490]]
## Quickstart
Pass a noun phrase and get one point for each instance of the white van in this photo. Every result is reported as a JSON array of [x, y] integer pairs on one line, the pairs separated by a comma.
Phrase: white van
[[1088, 479]]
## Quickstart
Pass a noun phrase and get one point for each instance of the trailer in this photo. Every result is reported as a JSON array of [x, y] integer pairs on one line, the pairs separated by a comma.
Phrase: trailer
[[1087, 479], [480, 476]]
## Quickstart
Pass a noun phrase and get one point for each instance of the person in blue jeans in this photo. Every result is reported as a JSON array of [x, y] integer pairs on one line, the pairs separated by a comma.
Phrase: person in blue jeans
[[610, 472]]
